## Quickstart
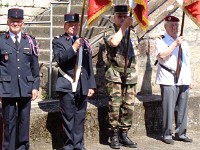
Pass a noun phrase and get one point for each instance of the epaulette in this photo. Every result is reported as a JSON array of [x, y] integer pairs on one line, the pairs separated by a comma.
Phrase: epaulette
[[24, 35], [58, 36], [2, 32], [7, 35], [161, 37]]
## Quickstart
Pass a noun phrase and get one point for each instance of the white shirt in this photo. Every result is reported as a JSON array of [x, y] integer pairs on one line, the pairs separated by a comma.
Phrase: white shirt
[[12, 35], [165, 77]]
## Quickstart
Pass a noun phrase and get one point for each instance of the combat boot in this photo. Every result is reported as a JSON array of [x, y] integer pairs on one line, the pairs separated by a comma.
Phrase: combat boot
[[114, 140], [125, 141]]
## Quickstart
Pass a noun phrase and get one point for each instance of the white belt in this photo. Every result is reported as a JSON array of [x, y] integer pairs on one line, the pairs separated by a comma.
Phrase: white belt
[[78, 72]]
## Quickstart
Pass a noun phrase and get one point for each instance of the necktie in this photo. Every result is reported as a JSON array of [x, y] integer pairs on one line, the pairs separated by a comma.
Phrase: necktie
[[16, 41], [74, 39]]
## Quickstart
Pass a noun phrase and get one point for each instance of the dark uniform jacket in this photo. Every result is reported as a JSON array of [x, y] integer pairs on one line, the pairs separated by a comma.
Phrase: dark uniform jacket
[[65, 56], [19, 68]]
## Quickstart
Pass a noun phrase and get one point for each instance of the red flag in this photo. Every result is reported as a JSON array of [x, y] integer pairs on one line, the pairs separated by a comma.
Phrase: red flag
[[96, 8], [192, 9], [140, 9]]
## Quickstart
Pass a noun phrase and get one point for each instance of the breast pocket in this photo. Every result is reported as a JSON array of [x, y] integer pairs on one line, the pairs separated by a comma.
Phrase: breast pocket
[[5, 54], [5, 85], [27, 55]]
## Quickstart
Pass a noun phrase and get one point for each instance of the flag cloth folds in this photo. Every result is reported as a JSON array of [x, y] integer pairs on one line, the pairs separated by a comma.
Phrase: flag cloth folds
[[192, 9], [96, 8], [140, 9]]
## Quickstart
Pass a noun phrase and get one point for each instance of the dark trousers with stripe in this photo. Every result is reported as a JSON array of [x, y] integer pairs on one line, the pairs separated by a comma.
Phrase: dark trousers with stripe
[[16, 130], [73, 109]]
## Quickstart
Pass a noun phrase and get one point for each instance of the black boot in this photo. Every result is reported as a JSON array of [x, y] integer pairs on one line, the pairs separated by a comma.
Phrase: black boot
[[125, 141], [114, 141]]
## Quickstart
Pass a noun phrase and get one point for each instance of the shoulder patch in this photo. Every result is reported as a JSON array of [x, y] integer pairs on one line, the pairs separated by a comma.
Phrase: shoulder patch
[[58, 36], [26, 34], [161, 37]]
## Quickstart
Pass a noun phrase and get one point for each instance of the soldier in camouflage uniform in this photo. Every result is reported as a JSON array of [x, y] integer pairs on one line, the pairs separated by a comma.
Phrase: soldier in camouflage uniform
[[121, 104]]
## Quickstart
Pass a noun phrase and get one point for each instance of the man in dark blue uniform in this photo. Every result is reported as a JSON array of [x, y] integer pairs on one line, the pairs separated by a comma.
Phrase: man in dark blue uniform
[[19, 81], [73, 91]]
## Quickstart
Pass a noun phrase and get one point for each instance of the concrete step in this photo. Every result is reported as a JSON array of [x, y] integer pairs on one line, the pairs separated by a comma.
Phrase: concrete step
[[58, 20], [75, 8], [44, 43], [44, 31], [44, 55]]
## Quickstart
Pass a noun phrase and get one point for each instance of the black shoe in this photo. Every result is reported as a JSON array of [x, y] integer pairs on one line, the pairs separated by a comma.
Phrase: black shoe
[[114, 141], [184, 139], [84, 148], [125, 141], [168, 141]]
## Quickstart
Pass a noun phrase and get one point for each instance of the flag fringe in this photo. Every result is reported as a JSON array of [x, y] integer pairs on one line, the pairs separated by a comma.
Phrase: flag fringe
[[191, 17], [188, 13], [189, 2], [93, 18], [144, 22]]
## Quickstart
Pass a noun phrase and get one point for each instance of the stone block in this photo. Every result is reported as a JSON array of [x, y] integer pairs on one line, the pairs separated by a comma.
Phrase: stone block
[[43, 3], [33, 11], [8, 2], [25, 3]]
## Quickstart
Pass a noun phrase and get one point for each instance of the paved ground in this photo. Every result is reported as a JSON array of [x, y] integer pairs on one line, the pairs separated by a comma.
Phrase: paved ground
[[144, 143], [155, 143]]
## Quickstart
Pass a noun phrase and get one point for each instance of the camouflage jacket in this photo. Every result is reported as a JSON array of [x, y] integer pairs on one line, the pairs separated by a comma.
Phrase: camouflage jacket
[[116, 58]]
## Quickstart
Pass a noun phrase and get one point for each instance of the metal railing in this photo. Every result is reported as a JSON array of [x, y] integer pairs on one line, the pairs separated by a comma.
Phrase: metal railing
[[51, 37]]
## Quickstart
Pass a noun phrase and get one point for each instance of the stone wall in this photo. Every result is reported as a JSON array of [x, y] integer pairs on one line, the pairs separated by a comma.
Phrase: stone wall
[[32, 8]]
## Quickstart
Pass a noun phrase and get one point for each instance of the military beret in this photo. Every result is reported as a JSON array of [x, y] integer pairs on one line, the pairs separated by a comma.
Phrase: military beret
[[16, 13], [171, 19], [71, 17], [120, 9]]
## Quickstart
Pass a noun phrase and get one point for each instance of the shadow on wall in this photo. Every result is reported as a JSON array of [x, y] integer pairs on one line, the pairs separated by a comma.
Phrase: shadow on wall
[[52, 131], [152, 104]]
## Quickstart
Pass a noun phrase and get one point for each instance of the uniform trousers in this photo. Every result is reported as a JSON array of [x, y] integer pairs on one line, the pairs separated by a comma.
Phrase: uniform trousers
[[174, 102], [73, 109], [121, 107], [11, 108]]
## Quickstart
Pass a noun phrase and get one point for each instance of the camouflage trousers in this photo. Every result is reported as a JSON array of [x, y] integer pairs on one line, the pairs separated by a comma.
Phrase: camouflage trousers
[[121, 106]]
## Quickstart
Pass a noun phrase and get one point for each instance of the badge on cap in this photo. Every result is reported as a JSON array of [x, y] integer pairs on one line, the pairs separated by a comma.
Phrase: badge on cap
[[16, 13], [71, 17], [121, 9], [171, 19]]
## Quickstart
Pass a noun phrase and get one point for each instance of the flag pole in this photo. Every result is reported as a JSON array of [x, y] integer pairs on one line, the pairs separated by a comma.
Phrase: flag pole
[[178, 67], [80, 31], [182, 24], [126, 55], [82, 16], [124, 76]]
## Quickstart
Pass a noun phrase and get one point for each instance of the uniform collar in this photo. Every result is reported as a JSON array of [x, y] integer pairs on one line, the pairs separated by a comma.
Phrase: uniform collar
[[168, 37], [12, 35]]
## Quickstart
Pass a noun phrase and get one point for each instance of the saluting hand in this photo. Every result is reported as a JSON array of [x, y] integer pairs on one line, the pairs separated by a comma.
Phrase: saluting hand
[[34, 94], [128, 21]]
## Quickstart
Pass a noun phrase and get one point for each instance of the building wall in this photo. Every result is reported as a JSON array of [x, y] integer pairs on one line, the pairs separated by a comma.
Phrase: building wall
[[32, 8]]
